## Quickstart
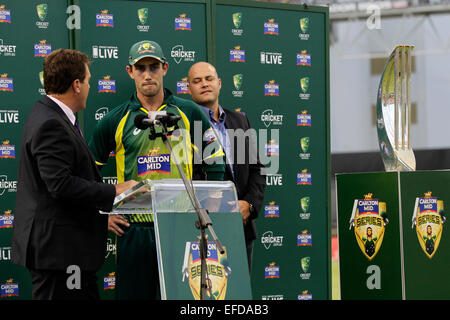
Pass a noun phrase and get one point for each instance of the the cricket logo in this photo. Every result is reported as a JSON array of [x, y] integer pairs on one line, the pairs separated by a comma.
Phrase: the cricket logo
[[369, 220], [428, 217], [218, 270]]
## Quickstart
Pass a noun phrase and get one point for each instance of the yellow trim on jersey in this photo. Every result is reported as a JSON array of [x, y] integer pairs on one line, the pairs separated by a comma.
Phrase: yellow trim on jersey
[[99, 163], [120, 150], [188, 144]]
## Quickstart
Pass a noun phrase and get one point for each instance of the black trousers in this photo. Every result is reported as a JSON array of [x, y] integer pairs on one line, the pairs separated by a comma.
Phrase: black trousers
[[53, 285]]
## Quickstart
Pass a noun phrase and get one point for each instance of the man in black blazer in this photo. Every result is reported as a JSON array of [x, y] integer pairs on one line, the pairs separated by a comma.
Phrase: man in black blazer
[[58, 233], [232, 128]]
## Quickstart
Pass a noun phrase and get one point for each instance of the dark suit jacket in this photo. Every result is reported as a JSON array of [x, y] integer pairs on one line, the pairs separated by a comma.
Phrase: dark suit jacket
[[249, 181], [57, 221]]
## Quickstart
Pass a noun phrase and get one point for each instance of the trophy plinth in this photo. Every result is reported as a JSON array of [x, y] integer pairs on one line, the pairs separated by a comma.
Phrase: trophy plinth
[[394, 112]]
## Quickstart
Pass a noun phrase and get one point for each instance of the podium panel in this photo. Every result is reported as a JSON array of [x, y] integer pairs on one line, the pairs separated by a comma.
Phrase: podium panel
[[179, 257]]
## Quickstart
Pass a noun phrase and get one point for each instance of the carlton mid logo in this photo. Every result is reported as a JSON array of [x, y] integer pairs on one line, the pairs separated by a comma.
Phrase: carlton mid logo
[[272, 210], [183, 23], [153, 163], [237, 54], [9, 289], [109, 282], [7, 150], [272, 271], [369, 220], [182, 86], [428, 217], [304, 119], [5, 14], [303, 59], [6, 84], [271, 89], [106, 85], [271, 27], [42, 49], [6, 220], [218, 268], [104, 19]]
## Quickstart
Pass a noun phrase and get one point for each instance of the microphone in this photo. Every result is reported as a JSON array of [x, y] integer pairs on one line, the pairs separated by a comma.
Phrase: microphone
[[161, 118], [141, 121]]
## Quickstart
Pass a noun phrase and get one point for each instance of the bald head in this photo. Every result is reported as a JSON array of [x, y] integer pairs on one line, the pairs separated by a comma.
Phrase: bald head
[[204, 85]]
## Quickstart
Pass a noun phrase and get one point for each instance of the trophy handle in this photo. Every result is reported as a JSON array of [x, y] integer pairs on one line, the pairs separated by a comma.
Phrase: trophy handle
[[394, 112]]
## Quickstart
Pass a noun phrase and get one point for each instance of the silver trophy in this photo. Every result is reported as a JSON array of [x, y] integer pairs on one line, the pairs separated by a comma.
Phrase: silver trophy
[[394, 112]]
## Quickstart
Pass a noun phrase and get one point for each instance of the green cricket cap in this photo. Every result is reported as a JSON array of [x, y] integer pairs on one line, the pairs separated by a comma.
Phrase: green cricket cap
[[144, 49]]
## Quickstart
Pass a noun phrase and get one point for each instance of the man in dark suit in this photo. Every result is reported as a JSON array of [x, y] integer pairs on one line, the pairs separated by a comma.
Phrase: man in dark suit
[[232, 128], [59, 234]]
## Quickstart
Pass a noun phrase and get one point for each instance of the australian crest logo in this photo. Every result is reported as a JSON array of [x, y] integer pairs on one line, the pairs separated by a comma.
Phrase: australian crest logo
[[305, 204], [304, 85], [428, 217], [5, 14], [237, 22], [369, 219], [143, 18], [183, 23], [41, 10], [42, 49], [6, 84], [271, 89], [304, 28], [218, 270], [304, 144], [107, 85], [271, 27], [104, 19]]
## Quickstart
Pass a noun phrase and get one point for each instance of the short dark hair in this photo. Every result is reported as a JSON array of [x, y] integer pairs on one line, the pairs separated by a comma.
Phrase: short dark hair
[[62, 67]]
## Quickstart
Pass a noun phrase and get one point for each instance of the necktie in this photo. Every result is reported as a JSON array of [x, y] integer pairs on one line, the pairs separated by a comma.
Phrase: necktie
[[77, 126]]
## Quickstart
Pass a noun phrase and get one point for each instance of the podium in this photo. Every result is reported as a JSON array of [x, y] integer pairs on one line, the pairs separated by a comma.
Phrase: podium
[[178, 238]]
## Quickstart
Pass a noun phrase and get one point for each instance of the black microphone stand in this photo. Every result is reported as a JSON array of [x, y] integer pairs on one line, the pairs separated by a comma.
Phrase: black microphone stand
[[204, 221]]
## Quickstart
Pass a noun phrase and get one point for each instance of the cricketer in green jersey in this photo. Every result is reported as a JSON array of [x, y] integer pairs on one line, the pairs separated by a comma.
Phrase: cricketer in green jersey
[[139, 158]]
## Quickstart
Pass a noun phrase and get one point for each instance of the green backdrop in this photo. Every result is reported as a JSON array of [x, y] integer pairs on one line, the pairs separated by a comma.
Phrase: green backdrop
[[279, 54]]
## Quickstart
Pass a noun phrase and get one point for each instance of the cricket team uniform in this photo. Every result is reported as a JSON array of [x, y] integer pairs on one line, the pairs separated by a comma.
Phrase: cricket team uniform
[[139, 158]]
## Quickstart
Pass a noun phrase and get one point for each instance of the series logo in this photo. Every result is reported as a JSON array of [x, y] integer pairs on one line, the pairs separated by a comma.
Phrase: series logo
[[304, 119], [369, 219], [271, 27], [105, 52], [5, 14], [218, 269], [237, 54], [237, 22], [183, 23], [143, 18], [304, 178], [106, 85], [304, 239], [272, 271], [6, 84], [303, 59], [7, 150], [42, 49], [182, 86], [304, 28], [272, 210], [9, 289], [41, 10], [6, 220], [429, 218], [104, 19], [7, 50]]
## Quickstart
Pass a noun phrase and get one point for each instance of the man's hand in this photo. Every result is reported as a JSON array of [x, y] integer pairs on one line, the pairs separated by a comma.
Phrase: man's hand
[[121, 187], [114, 222], [244, 208]]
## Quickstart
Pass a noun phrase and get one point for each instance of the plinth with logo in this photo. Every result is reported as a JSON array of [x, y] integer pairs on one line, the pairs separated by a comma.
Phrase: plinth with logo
[[178, 241]]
